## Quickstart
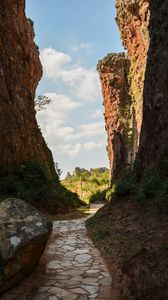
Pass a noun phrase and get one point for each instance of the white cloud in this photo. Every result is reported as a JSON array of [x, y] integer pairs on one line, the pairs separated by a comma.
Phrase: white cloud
[[92, 129], [97, 114], [58, 109], [79, 85], [52, 120], [72, 150], [61, 137], [75, 47], [93, 145], [58, 66], [82, 131]]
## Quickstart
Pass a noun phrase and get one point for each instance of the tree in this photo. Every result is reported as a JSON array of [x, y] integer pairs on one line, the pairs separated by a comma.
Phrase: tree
[[58, 170], [68, 175], [41, 102]]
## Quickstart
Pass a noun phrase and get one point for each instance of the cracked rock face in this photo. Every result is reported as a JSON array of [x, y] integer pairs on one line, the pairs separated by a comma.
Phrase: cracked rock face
[[154, 141], [113, 71], [20, 72], [122, 81], [133, 18], [23, 236]]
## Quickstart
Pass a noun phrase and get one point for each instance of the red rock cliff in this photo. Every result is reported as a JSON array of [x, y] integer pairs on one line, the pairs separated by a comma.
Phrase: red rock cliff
[[20, 72], [113, 71], [120, 82], [133, 20], [154, 134]]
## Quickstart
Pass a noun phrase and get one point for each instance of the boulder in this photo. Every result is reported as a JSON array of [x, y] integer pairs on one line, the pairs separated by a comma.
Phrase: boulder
[[24, 232]]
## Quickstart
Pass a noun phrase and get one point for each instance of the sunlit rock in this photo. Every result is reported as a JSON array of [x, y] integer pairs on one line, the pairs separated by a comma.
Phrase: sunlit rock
[[23, 235]]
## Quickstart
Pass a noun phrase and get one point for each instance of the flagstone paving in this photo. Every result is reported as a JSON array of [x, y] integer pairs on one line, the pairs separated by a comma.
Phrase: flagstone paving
[[71, 268]]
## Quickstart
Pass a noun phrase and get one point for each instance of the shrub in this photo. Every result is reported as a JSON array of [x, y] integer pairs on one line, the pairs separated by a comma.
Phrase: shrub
[[109, 194], [30, 183], [125, 185], [149, 186], [89, 185], [99, 196], [153, 185]]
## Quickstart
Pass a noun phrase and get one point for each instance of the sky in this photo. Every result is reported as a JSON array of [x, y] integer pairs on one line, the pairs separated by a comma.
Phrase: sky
[[72, 36]]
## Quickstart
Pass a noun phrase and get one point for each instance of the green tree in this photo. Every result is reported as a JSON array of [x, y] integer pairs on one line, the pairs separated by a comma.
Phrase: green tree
[[41, 102], [58, 170]]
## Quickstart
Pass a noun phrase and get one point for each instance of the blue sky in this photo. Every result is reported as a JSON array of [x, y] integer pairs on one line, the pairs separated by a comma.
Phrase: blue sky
[[72, 36]]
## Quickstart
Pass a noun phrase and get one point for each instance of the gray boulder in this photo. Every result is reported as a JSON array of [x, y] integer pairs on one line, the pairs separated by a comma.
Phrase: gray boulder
[[24, 232]]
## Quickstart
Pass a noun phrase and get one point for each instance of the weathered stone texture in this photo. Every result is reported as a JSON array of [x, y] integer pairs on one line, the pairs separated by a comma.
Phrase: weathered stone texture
[[20, 72], [113, 71], [23, 236], [120, 83], [154, 135], [133, 20]]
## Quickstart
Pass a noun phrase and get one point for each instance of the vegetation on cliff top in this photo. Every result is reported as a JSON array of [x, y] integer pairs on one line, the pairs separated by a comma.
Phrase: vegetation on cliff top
[[91, 186]]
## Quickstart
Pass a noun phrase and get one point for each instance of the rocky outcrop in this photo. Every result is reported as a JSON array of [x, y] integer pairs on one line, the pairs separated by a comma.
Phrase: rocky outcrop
[[20, 72], [154, 141], [136, 228], [133, 20], [113, 71], [23, 236], [122, 80]]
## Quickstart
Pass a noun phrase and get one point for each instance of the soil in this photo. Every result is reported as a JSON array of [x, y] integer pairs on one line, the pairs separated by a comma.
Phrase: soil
[[133, 237]]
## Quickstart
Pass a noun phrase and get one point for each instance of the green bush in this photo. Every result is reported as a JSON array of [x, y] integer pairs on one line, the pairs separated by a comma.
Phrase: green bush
[[90, 185], [30, 183], [149, 186], [152, 186], [99, 196], [126, 185], [109, 194]]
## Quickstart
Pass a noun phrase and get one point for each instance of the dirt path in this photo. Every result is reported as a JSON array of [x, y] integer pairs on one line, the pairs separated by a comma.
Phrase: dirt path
[[70, 268]]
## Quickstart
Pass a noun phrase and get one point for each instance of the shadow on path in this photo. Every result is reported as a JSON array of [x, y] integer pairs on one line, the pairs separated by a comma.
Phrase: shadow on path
[[71, 268]]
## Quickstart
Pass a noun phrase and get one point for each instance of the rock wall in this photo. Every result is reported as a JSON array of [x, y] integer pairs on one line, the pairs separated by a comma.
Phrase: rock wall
[[123, 85], [154, 141], [133, 20], [113, 71], [20, 72]]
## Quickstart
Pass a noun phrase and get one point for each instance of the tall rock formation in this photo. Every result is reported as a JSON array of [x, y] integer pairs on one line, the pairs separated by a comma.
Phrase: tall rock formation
[[120, 83], [133, 20], [113, 71], [154, 135], [20, 72]]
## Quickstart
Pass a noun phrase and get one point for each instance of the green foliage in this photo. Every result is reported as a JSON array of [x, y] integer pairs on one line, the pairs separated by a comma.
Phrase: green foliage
[[41, 102], [30, 183], [152, 186], [58, 170], [149, 185], [109, 194], [125, 185], [99, 196], [89, 185]]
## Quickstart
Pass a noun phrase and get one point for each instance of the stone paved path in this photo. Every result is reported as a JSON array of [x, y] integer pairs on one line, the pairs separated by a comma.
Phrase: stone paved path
[[70, 269]]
